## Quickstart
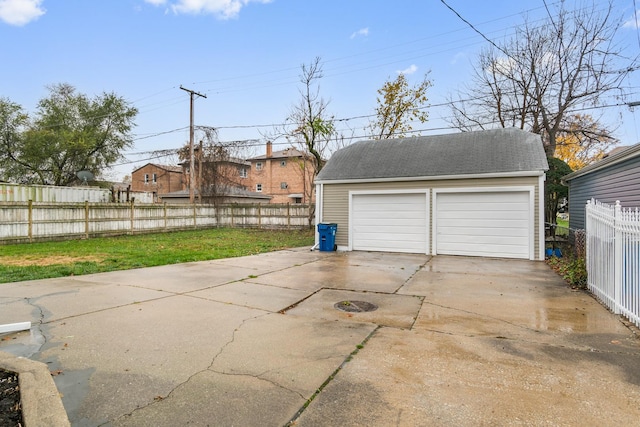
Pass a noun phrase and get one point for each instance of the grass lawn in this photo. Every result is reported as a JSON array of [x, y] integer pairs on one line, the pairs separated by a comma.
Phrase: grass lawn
[[76, 257]]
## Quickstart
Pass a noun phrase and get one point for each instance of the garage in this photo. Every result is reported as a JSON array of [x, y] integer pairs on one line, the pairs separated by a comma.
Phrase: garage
[[469, 194], [390, 222], [489, 224]]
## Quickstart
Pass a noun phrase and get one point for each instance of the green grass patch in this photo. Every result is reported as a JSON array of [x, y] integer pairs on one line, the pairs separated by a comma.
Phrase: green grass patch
[[77, 257]]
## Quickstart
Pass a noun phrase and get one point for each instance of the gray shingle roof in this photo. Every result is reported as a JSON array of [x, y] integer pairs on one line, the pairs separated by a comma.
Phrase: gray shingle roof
[[466, 153]]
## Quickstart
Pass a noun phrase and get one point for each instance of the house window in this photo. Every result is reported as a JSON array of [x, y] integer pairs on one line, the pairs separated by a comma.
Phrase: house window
[[155, 178], [259, 188], [283, 163], [297, 200], [283, 186], [243, 172], [259, 166], [146, 178]]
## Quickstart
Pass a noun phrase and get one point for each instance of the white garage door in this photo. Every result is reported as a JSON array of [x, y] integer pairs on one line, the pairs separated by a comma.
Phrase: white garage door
[[495, 224], [390, 222]]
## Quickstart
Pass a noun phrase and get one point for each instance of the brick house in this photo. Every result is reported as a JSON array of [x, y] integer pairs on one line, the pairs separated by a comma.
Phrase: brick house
[[159, 179], [285, 175]]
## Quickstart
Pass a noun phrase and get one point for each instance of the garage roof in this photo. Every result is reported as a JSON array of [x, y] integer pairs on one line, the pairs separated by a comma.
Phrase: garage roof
[[466, 153]]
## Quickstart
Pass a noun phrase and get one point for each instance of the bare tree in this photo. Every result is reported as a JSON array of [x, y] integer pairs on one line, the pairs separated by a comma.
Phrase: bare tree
[[309, 128], [538, 77], [218, 166]]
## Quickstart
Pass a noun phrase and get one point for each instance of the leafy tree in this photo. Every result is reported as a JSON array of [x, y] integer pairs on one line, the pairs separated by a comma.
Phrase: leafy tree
[[13, 121], [584, 141], [398, 106], [535, 79], [555, 190], [69, 132]]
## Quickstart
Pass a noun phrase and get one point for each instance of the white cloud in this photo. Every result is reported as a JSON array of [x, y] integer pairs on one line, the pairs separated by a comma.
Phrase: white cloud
[[361, 32], [20, 12], [412, 69], [458, 57], [634, 21], [223, 9]]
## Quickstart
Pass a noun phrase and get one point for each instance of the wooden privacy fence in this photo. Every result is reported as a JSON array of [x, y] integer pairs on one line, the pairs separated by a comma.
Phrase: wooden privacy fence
[[613, 257], [29, 221]]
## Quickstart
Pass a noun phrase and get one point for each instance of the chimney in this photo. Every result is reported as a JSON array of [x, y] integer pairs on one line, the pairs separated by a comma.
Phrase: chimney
[[269, 150]]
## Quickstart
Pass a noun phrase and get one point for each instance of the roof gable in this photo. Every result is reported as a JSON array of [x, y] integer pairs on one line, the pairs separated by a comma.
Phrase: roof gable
[[466, 153], [168, 168]]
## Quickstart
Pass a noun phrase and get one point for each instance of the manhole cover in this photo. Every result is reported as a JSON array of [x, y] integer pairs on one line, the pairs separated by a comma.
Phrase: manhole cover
[[355, 306]]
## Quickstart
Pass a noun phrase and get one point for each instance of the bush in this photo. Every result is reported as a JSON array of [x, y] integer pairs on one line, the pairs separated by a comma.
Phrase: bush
[[571, 269]]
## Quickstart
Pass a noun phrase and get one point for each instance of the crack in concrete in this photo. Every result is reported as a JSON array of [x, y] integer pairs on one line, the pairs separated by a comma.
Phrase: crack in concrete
[[259, 377], [40, 321], [177, 386]]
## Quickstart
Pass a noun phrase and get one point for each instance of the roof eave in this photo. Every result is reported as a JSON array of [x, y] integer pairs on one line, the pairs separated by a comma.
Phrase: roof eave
[[630, 153], [435, 178]]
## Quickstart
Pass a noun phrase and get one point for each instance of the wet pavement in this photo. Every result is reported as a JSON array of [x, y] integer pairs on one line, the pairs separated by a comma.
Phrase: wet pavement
[[250, 341]]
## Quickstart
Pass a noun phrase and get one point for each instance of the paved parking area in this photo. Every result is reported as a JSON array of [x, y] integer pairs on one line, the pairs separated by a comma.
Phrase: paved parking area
[[258, 341]]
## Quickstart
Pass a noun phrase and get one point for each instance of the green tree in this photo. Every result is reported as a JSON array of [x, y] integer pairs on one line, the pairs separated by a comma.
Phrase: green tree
[[13, 121], [398, 106], [69, 132], [554, 189]]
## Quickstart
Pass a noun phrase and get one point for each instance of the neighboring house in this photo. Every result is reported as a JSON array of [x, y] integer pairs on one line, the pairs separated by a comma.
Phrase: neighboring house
[[158, 179], [615, 177], [285, 175], [231, 195], [223, 174], [472, 193]]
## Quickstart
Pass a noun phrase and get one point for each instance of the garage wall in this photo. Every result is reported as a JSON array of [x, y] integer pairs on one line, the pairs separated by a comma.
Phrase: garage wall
[[336, 198]]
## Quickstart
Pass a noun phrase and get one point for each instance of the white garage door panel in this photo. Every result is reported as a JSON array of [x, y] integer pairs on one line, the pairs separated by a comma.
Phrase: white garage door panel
[[494, 224], [389, 222]]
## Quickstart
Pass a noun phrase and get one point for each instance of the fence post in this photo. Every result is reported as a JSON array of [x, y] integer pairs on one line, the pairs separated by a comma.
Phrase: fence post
[[131, 214], [259, 216], [195, 217], [617, 268], [288, 216], [86, 219], [164, 205], [30, 219]]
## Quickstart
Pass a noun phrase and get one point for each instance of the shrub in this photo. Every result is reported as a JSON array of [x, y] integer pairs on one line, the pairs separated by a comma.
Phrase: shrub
[[571, 269]]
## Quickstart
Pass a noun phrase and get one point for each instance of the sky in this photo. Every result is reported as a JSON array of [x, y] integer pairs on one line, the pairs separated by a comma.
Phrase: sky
[[246, 57]]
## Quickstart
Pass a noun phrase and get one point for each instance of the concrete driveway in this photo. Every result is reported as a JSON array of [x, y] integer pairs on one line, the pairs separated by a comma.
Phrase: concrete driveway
[[277, 338]]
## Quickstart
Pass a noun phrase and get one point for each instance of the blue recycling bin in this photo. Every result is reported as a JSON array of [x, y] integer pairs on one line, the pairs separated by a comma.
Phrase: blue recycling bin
[[327, 234]]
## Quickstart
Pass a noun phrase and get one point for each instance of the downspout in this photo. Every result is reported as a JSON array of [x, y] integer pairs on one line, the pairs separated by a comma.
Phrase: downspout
[[541, 201], [319, 197]]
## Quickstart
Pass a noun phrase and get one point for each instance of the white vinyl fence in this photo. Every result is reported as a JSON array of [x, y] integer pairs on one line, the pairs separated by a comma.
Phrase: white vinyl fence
[[613, 257], [30, 222], [54, 194]]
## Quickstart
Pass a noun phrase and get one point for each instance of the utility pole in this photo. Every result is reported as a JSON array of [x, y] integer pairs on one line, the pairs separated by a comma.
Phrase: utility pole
[[191, 156]]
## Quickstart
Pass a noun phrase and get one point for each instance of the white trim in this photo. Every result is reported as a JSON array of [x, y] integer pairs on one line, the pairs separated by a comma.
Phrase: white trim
[[434, 178], [319, 210], [529, 189], [541, 227], [425, 191]]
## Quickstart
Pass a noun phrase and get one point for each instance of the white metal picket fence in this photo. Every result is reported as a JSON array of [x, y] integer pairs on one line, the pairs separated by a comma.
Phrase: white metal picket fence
[[613, 257]]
